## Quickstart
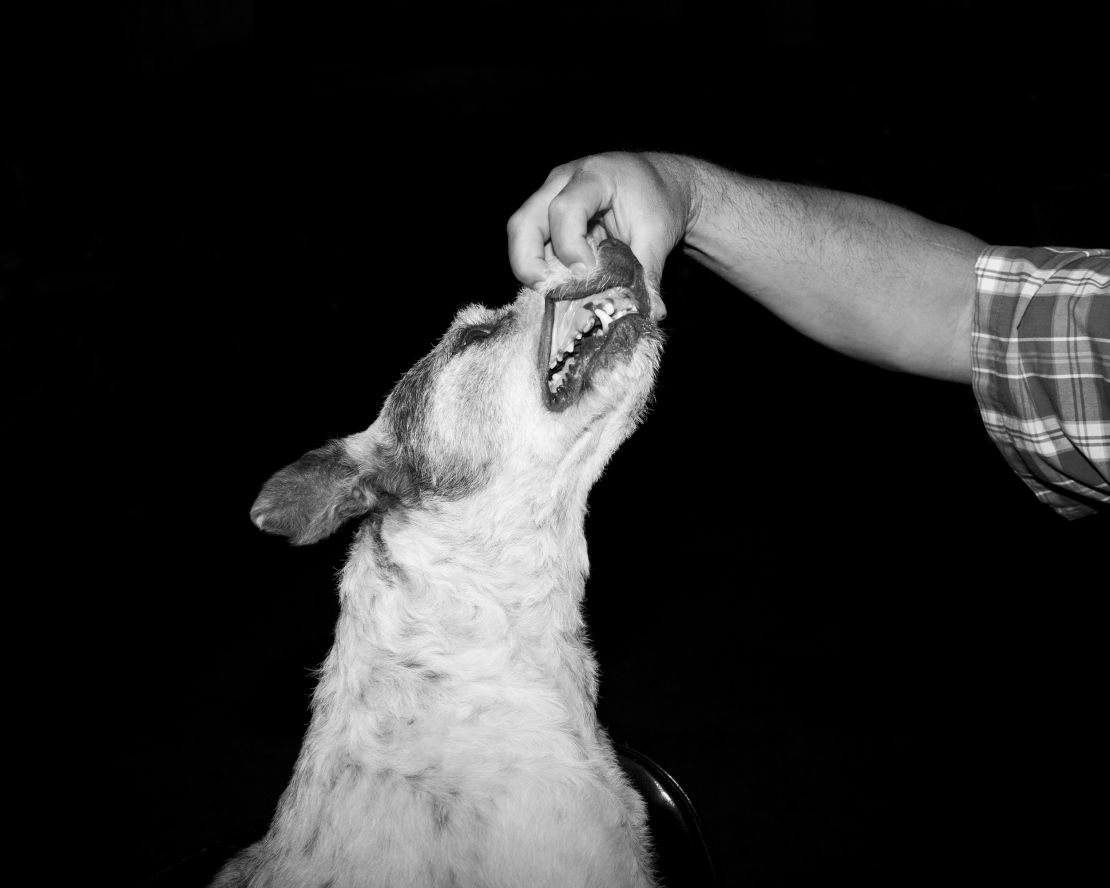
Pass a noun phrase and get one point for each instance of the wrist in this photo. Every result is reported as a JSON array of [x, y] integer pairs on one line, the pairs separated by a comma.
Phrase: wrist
[[681, 183], [722, 207]]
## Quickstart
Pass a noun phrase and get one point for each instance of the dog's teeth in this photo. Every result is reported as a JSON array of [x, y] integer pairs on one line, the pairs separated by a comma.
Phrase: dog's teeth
[[557, 379], [604, 318], [577, 335], [608, 307]]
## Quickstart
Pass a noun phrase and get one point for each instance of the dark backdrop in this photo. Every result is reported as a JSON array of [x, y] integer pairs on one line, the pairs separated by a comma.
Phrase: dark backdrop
[[819, 597]]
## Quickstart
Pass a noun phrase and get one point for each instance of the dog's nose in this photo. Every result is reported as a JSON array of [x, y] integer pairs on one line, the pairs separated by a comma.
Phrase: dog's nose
[[618, 260]]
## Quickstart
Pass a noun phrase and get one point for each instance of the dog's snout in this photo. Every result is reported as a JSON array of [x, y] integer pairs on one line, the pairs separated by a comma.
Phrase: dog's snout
[[620, 265], [617, 260]]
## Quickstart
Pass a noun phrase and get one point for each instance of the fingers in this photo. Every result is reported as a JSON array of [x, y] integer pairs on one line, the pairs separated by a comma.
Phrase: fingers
[[650, 247], [529, 233], [650, 252], [569, 215], [559, 214], [579, 204], [596, 234]]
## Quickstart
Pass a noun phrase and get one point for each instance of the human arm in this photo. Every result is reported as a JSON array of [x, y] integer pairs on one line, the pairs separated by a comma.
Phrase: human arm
[[864, 277]]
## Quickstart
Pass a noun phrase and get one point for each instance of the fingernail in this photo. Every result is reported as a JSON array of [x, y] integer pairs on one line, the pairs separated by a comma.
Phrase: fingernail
[[579, 270]]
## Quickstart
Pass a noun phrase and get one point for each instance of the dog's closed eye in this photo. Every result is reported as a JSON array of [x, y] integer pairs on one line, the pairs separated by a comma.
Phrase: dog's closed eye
[[473, 334]]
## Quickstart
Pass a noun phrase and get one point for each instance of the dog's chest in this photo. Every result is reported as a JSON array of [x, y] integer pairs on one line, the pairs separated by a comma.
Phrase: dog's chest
[[457, 726], [454, 809], [403, 759]]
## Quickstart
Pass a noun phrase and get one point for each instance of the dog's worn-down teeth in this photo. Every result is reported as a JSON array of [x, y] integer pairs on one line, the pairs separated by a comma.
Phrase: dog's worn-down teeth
[[579, 316], [580, 327], [454, 738]]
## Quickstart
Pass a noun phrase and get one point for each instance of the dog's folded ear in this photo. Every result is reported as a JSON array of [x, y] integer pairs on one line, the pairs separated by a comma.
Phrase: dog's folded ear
[[311, 498]]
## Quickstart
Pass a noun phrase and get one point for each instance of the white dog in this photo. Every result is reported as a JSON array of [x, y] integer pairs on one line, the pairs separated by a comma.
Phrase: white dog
[[454, 740]]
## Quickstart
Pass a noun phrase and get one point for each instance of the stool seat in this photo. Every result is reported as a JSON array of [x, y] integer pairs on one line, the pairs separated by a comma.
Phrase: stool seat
[[682, 855]]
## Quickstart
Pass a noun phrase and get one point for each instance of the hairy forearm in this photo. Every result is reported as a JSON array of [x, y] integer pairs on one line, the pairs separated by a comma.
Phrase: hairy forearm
[[866, 278]]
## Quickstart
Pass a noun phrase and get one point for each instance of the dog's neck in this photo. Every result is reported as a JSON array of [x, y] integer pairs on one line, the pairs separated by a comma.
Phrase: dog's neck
[[460, 662], [474, 592], [505, 542]]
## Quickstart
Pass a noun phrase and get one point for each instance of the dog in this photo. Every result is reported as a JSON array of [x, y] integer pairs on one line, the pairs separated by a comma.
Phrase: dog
[[454, 738]]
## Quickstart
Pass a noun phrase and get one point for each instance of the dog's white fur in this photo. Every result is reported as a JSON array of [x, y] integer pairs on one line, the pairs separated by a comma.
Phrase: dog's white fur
[[453, 739]]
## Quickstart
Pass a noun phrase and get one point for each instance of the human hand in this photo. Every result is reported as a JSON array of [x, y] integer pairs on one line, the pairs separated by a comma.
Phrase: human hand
[[642, 199]]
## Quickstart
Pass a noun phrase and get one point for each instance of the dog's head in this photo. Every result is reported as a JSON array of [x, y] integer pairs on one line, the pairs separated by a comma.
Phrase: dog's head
[[532, 398]]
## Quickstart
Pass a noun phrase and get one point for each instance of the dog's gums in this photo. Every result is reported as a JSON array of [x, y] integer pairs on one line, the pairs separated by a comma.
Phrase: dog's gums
[[579, 329], [582, 330]]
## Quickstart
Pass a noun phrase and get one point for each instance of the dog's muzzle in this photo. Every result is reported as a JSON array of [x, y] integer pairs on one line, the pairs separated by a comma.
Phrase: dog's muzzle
[[590, 323]]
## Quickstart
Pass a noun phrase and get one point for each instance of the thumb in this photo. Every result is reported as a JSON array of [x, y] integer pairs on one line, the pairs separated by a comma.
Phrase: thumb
[[652, 256]]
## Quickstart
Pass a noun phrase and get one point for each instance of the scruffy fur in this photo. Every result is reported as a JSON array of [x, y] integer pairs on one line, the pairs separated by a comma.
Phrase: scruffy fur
[[454, 740]]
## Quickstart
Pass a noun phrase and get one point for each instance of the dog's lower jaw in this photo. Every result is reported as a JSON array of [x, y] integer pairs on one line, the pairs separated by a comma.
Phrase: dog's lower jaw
[[455, 718]]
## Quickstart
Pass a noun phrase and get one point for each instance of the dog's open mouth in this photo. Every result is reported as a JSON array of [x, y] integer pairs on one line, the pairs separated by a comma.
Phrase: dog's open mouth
[[590, 323]]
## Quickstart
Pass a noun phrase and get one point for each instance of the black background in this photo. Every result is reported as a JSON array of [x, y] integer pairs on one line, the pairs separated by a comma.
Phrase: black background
[[819, 597]]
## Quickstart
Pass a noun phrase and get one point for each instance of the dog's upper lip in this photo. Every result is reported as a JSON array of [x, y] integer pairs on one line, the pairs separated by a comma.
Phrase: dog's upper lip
[[617, 266]]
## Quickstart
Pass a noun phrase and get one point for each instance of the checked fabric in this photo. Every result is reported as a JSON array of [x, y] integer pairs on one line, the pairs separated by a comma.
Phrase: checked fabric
[[1041, 369]]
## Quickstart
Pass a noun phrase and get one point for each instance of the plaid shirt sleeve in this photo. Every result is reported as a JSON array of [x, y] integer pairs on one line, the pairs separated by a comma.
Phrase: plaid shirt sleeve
[[1041, 369]]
